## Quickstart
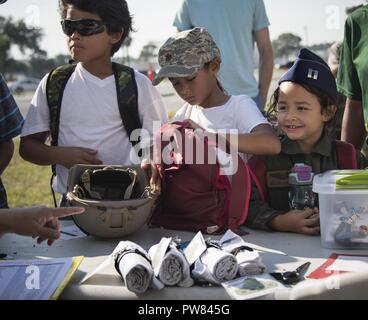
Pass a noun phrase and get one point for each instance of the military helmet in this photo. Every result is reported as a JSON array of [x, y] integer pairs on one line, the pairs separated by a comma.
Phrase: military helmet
[[118, 200]]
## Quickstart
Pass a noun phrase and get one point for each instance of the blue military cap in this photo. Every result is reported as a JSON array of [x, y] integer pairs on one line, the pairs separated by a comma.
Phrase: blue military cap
[[313, 71]]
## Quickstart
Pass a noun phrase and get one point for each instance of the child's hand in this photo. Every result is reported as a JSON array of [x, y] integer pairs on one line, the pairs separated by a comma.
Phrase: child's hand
[[52, 224], [40, 222], [299, 221], [155, 180], [193, 124], [69, 156]]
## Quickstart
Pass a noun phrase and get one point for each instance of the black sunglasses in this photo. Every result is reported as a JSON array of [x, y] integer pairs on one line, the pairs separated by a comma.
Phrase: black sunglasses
[[85, 27]]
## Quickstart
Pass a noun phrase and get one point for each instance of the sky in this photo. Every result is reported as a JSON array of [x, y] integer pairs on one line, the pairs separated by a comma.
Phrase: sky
[[315, 21]]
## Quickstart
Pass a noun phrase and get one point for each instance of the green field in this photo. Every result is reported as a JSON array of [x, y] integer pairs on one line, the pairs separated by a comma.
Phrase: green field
[[27, 184]]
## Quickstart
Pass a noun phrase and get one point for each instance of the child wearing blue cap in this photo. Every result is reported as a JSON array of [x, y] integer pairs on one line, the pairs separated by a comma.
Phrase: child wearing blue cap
[[305, 105]]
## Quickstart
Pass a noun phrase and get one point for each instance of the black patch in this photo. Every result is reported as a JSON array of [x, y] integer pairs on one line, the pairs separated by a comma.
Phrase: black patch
[[168, 57], [278, 179]]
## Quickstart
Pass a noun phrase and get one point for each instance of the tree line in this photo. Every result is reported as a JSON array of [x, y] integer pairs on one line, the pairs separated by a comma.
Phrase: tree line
[[27, 40]]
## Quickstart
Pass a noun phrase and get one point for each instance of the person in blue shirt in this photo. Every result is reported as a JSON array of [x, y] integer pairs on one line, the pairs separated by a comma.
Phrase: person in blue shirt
[[11, 122], [235, 26], [40, 222]]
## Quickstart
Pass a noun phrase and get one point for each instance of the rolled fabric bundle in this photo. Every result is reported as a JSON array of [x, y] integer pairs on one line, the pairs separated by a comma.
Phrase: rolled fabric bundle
[[249, 260], [174, 268], [134, 266], [249, 263], [171, 270], [215, 266]]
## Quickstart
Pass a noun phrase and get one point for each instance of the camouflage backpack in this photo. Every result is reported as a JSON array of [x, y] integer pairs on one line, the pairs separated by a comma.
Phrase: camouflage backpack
[[127, 93]]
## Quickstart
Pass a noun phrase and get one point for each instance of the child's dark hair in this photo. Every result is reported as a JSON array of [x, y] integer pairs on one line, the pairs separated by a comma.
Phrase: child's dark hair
[[324, 100], [207, 66], [114, 13]]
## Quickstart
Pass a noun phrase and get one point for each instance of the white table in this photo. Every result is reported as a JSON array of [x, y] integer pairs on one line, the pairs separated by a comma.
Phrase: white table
[[108, 285]]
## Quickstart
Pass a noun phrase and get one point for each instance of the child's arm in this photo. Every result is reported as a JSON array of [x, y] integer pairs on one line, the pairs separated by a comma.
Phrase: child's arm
[[33, 149], [151, 168], [261, 141], [6, 153], [39, 222], [299, 221]]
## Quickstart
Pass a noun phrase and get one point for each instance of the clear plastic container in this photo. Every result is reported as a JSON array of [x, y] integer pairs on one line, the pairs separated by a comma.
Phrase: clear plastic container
[[343, 205]]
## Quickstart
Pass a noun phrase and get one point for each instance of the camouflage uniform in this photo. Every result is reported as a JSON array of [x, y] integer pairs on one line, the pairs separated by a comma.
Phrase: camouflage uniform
[[323, 158]]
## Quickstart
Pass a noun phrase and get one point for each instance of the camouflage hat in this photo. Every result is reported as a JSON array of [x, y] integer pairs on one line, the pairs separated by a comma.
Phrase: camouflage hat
[[185, 53]]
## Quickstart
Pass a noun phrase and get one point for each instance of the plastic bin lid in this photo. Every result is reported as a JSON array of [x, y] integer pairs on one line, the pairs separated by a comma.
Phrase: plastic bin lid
[[341, 181]]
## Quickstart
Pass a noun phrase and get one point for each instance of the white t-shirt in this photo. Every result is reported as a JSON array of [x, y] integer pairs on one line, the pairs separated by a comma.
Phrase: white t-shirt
[[238, 113], [90, 117]]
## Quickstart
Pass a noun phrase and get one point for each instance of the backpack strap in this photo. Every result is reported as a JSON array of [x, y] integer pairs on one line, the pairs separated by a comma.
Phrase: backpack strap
[[240, 192], [55, 86], [346, 155], [127, 93], [258, 171], [240, 196]]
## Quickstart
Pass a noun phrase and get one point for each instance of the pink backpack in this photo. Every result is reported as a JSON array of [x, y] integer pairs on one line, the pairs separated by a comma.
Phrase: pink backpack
[[197, 197]]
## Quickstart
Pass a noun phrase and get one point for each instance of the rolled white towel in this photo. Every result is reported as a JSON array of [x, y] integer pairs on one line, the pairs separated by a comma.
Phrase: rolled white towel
[[249, 260], [215, 266], [174, 268], [249, 263], [133, 264]]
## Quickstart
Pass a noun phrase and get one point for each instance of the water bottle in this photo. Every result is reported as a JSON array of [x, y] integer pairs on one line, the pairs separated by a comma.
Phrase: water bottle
[[301, 183]]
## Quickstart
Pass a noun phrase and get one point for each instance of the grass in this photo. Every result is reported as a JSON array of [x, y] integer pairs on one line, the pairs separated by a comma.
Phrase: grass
[[27, 184]]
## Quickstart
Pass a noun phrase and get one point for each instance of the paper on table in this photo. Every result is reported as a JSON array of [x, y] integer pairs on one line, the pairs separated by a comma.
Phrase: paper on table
[[100, 267], [251, 287], [195, 248], [159, 254], [71, 232], [349, 263], [264, 249], [229, 236], [35, 279]]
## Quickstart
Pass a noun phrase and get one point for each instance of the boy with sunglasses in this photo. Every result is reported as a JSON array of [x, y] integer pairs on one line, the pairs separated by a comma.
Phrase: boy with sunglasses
[[91, 130]]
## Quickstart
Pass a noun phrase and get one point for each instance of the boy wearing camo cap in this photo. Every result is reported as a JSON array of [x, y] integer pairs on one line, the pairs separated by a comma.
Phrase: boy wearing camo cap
[[191, 60]]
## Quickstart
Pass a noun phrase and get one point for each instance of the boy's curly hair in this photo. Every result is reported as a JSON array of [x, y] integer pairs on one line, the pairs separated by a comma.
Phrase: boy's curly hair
[[114, 13], [324, 100]]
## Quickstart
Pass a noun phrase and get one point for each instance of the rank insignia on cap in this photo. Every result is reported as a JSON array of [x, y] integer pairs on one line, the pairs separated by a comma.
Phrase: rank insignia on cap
[[312, 74], [168, 57]]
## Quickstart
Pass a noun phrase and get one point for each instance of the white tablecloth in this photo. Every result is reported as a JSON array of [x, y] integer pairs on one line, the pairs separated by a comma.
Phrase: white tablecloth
[[108, 284]]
